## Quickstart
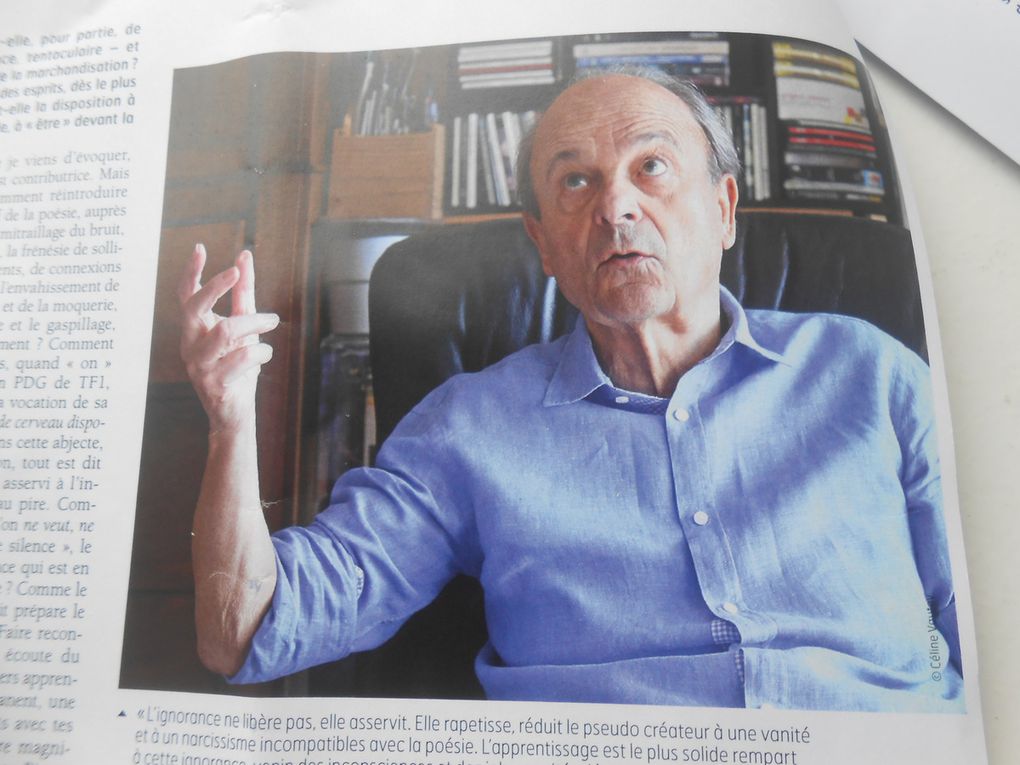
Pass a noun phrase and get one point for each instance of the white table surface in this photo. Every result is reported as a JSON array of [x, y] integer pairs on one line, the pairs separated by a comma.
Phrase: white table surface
[[968, 195]]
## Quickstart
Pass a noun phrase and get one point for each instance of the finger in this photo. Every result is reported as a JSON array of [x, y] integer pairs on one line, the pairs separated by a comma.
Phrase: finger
[[243, 296], [201, 303], [226, 386], [228, 335], [191, 276], [244, 360]]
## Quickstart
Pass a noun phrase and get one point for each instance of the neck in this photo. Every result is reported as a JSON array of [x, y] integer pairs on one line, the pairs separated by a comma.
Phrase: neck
[[650, 357]]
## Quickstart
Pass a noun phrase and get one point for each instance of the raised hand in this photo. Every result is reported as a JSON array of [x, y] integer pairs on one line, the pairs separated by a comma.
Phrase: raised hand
[[222, 354]]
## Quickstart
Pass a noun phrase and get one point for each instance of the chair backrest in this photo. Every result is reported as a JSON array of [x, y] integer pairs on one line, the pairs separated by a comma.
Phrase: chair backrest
[[460, 297]]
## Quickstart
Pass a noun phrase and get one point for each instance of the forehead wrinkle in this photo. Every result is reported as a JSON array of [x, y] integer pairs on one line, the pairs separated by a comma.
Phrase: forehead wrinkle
[[665, 122], [652, 136], [626, 142], [642, 116]]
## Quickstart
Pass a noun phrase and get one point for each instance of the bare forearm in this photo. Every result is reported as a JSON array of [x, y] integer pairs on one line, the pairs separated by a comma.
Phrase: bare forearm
[[233, 558], [232, 555]]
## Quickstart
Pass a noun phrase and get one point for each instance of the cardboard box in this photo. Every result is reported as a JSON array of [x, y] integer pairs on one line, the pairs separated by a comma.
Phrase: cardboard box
[[389, 176]]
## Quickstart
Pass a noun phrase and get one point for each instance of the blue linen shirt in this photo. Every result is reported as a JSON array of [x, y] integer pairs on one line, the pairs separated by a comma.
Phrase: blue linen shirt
[[787, 495]]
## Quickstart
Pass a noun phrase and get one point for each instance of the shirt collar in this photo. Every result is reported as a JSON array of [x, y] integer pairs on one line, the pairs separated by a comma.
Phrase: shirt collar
[[578, 372], [739, 330]]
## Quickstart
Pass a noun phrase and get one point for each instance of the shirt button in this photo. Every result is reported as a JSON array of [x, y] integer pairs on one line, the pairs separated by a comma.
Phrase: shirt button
[[701, 517], [730, 608], [622, 399], [681, 415]]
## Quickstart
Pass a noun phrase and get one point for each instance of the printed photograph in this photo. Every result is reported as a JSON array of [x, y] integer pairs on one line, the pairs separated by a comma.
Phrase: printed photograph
[[586, 369]]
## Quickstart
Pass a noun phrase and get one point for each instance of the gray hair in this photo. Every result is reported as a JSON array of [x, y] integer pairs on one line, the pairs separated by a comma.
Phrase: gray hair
[[722, 157]]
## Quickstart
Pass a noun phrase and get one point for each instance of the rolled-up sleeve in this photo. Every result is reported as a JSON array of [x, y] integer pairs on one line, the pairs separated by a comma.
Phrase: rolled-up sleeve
[[389, 541]]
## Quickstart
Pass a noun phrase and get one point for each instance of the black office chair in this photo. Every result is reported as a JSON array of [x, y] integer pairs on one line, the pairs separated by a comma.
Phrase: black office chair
[[461, 297]]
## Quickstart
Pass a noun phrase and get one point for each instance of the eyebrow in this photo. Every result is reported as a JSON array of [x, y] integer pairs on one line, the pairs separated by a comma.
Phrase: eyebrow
[[651, 136], [561, 156]]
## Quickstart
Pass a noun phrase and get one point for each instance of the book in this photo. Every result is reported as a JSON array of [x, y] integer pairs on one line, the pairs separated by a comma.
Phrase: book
[[822, 107], [503, 65], [471, 196], [455, 170], [701, 61]]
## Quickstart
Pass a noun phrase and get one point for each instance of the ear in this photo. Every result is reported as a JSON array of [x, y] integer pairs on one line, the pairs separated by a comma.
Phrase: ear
[[537, 234], [728, 197]]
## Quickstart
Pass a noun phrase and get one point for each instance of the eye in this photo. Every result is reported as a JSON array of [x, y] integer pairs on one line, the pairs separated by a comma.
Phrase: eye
[[574, 181], [653, 166]]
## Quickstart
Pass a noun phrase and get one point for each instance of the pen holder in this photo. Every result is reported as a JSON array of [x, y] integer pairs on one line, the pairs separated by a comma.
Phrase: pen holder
[[390, 176]]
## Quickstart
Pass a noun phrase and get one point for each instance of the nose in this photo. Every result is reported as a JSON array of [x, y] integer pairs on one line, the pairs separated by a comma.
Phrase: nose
[[618, 203]]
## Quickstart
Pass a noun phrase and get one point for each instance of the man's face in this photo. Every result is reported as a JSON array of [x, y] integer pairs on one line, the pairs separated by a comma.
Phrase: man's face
[[632, 225]]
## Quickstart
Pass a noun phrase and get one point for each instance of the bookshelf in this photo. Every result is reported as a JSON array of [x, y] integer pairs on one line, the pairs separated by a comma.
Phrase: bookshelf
[[808, 130]]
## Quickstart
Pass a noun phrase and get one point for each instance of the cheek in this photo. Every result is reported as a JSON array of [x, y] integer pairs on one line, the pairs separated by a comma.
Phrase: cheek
[[572, 277], [693, 221], [569, 272], [565, 239], [572, 203]]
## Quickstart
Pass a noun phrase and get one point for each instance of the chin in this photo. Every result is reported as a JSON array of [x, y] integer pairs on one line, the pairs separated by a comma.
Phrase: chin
[[634, 306]]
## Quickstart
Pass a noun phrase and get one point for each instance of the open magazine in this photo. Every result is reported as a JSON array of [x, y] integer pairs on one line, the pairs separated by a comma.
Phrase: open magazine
[[495, 538]]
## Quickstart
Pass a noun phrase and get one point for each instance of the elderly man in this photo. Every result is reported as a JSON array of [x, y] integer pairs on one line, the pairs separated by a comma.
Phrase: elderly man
[[680, 502]]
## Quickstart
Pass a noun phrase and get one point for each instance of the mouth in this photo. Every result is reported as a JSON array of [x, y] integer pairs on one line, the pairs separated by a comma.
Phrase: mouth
[[625, 258]]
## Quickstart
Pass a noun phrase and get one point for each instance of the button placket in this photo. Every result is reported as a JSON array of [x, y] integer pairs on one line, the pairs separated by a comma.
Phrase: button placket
[[706, 539]]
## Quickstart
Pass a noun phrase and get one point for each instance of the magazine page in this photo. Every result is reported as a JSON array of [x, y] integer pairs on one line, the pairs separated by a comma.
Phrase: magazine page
[[693, 500], [946, 48]]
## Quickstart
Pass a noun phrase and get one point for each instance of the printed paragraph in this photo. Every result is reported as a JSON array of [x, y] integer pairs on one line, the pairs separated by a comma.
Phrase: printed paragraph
[[192, 737], [61, 228], [63, 212], [71, 80]]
